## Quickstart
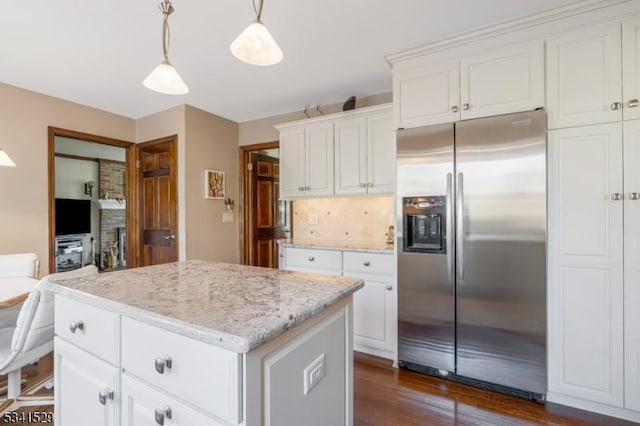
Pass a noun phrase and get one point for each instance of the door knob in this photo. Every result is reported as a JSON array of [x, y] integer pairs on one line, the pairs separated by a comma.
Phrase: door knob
[[104, 395], [632, 103], [389, 287], [76, 325], [163, 362], [615, 106], [311, 258], [169, 237], [616, 196], [162, 413], [366, 263]]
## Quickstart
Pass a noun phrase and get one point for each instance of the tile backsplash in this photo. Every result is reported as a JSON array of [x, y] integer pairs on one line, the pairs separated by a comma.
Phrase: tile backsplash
[[349, 219]]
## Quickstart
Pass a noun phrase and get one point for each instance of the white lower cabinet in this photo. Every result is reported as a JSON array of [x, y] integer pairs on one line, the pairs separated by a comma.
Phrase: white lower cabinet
[[594, 328], [145, 406], [86, 388], [374, 306]]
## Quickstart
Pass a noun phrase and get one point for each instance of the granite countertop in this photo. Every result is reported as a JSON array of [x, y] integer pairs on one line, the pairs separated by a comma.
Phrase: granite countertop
[[235, 307], [362, 246]]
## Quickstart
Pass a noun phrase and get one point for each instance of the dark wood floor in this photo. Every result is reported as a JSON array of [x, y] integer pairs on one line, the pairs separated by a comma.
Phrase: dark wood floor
[[387, 396]]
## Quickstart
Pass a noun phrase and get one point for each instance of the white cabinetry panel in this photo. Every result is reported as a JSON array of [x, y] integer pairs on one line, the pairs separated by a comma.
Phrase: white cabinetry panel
[[319, 159], [584, 71], [632, 263], [585, 263], [381, 153], [631, 68], [292, 163], [351, 156]]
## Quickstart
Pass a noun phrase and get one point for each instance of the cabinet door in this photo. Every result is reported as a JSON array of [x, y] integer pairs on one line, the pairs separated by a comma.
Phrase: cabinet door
[[79, 379], [292, 163], [381, 154], [585, 263], [373, 315], [631, 68], [319, 160], [509, 79], [144, 406], [584, 71], [351, 156], [632, 263], [426, 95]]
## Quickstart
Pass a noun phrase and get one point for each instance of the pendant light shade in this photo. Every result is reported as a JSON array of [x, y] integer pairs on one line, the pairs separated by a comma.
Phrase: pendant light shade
[[164, 78], [255, 45], [5, 160]]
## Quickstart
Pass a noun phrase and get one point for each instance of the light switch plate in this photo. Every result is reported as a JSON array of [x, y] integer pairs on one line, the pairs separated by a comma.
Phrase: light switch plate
[[227, 217], [313, 373], [313, 219]]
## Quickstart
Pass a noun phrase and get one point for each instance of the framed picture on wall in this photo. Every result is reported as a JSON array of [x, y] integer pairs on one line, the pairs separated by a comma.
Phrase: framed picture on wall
[[214, 185]]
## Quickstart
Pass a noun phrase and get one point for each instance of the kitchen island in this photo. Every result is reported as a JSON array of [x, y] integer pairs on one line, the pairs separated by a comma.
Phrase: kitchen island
[[203, 343]]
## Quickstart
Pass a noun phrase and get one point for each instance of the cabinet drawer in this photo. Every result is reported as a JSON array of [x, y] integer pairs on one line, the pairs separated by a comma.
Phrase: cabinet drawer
[[207, 376], [368, 263], [325, 260], [92, 329], [142, 405]]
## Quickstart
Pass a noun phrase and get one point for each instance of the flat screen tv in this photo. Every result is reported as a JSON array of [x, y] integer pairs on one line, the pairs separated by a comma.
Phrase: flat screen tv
[[73, 216]]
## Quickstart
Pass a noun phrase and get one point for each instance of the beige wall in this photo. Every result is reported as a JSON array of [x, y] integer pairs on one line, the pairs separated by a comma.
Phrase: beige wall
[[24, 119], [258, 131], [346, 219], [212, 143]]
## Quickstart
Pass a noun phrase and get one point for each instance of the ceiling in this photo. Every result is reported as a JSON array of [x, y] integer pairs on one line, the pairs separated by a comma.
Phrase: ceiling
[[98, 52]]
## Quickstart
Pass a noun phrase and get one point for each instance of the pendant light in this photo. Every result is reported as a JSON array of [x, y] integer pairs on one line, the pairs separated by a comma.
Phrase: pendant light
[[255, 45], [164, 78], [5, 160]]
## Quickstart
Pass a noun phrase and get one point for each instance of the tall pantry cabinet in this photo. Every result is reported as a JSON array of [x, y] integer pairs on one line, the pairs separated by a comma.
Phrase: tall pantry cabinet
[[593, 77]]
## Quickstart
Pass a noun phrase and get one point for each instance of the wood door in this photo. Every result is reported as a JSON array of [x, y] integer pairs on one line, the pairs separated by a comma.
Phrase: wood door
[[270, 215], [158, 208], [585, 253]]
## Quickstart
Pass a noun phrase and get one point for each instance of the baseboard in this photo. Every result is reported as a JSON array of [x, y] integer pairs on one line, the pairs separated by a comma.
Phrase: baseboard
[[374, 351], [608, 410]]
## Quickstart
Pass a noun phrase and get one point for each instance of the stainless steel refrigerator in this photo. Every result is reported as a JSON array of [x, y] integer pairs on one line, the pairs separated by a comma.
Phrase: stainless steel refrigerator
[[472, 251]]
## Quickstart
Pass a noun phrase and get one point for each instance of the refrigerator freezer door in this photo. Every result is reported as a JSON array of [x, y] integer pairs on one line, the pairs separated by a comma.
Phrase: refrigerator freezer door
[[426, 305], [501, 285]]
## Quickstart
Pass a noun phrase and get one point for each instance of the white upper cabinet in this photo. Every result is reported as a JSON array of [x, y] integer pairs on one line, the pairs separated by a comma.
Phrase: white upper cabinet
[[365, 155], [584, 70], [501, 81], [586, 290], [306, 161], [426, 95], [497, 81], [631, 68], [632, 263]]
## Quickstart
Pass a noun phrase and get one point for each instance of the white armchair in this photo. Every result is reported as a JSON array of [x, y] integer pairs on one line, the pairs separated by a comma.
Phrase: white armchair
[[18, 273], [31, 339], [19, 265]]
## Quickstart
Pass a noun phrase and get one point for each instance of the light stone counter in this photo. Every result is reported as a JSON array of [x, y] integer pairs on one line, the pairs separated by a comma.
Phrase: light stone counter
[[339, 245], [235, 307]]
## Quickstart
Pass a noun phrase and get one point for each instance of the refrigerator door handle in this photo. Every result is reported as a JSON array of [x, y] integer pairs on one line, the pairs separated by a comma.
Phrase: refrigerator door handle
[[460, 226], [449, 227]]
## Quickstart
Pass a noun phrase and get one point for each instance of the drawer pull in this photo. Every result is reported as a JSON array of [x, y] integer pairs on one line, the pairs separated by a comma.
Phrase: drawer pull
[[389, 287], [633, 103], [366, 263], [311, 258], [634, 196], [162, 363], [104, 395], [76, 325], [616, 106], [162, 413]]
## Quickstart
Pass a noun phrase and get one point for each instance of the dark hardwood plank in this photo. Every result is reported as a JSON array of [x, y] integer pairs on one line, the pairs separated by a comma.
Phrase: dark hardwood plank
[[397, 397]]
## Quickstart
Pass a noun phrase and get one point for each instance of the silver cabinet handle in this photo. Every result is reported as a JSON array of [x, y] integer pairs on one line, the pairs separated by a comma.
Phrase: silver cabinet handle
[[162, 413], [370, 184], [311, 258], [460, 226], [366, 263], [363, 185], [632, 103], [104, 395], [454, 108], [634, 196], [76, 325], [163, 362], [307, 188], [616, 196], [465, 107], [449, 225], [169, 237], [301, 188], [616, 106], [389, 287]]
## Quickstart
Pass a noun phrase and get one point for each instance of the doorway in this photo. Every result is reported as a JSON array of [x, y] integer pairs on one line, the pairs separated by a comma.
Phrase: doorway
[[265, 218], [88, 189], [157, 202]]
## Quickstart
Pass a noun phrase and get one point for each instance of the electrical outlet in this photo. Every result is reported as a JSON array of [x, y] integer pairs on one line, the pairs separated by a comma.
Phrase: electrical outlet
[[313, 219], [314, 373]]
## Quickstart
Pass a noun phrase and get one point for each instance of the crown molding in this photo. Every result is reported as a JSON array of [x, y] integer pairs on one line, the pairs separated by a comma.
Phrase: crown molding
[[504, 27]]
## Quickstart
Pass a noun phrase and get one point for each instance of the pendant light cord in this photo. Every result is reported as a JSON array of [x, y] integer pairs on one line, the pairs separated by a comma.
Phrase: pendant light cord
[[167, 9], [258, 11]]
